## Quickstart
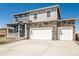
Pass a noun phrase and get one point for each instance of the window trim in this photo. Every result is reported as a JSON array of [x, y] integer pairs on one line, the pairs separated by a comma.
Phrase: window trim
[[35, 17], [50, 13]]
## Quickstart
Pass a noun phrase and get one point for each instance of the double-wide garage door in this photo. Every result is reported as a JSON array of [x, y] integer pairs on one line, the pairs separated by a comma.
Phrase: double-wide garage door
[[41, 33]]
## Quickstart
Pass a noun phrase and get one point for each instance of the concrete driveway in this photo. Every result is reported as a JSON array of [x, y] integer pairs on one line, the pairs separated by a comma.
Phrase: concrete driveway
[[40, 48]]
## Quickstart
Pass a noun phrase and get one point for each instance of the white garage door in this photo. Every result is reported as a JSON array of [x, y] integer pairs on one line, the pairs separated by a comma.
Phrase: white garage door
[[41, 33], [66, 34]]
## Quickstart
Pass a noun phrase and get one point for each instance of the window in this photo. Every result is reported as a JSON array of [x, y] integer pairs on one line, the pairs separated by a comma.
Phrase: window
[[48, 13], [23, 15], [16, 18], [73, 22], [35, 16], [26, 14]]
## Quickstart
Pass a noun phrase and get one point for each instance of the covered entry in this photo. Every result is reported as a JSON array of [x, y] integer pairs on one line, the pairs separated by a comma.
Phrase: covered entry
[[65, 33], [16, 30], [44, 33]]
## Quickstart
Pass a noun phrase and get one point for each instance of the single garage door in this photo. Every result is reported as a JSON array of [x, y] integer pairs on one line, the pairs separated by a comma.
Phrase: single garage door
[[66, 33], [41, 33]]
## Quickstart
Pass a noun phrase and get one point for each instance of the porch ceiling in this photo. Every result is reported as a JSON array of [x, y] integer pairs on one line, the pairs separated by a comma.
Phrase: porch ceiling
[[12, 25]]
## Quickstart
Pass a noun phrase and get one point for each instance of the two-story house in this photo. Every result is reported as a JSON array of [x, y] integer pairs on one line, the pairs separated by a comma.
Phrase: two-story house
[[42, 24]]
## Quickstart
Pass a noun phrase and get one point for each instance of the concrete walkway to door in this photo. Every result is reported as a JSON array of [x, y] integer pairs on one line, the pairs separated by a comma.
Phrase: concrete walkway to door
[[40, 48]]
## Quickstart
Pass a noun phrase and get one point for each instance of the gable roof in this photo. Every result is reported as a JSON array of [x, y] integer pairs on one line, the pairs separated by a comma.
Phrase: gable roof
[[38, 9], [57, 6]]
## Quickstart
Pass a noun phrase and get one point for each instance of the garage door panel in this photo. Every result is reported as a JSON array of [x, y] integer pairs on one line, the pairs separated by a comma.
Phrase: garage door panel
[[66, 34], [41, 34]]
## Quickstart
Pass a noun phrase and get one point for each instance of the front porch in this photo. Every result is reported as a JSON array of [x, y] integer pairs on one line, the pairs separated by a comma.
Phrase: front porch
[[16, 30]]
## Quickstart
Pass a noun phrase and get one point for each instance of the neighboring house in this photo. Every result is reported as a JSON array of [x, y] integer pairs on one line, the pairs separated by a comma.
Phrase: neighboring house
[[42, 24], [3, 32]]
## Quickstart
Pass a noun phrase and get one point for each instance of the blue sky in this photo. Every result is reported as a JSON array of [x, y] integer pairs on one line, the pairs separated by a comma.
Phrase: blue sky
[[7, 10]]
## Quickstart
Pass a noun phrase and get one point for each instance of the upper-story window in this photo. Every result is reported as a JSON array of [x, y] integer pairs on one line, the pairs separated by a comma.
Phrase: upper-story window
[[48, 13], [26, 14], [35, 16], [20, 16], [16, 18], [23, 15]]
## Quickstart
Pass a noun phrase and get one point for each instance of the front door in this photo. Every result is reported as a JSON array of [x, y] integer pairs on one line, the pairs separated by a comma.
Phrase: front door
[[22, 30]]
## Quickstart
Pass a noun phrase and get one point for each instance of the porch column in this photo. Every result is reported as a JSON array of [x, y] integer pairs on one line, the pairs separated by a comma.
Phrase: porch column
[[54, 26], [74, 37], [18, 30], [28, 31], [7, 31], [25, 30]]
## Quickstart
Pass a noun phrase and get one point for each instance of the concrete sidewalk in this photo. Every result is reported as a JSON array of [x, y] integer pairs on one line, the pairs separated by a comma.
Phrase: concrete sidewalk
[[40, 48]]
